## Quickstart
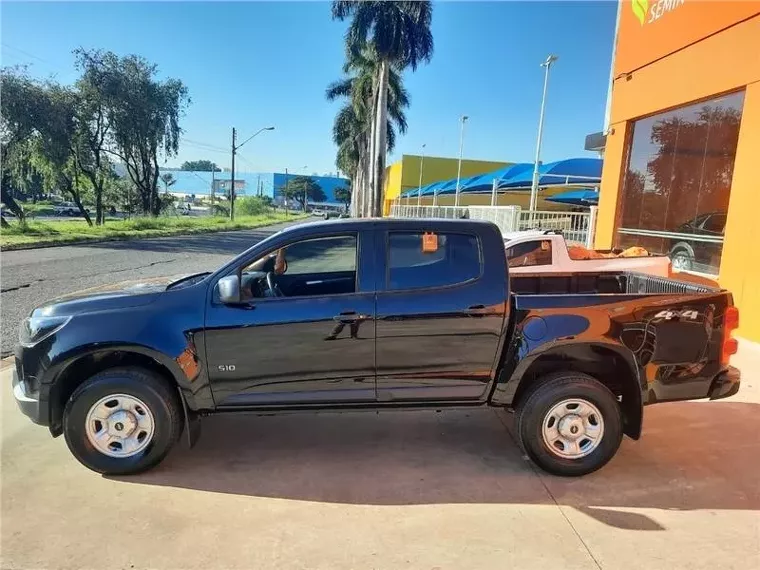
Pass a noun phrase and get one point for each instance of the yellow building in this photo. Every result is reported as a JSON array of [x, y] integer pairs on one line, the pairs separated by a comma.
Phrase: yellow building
[[683, 142], [404, 174]]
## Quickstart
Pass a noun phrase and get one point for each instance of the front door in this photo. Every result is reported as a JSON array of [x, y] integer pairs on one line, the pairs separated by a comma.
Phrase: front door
[[306, 336]]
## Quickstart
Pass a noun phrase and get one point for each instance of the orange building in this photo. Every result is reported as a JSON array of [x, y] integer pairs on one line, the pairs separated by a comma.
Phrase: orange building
[[682, 151]]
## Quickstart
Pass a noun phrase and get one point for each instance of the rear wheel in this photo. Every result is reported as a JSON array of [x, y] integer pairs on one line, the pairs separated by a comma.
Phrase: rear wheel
[[122, 421], [570, 424]]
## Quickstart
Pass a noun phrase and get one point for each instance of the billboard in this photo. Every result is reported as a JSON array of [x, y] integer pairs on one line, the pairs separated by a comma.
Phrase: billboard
[[223, 186]]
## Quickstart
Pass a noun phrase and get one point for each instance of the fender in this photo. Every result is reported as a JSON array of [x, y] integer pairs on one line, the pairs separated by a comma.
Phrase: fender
[[194, 390], [588, 357]]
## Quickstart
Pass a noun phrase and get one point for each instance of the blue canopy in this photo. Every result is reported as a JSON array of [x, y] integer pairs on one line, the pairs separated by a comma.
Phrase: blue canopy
[[576, 198], [449, 187], [484, 182], [568, 171]]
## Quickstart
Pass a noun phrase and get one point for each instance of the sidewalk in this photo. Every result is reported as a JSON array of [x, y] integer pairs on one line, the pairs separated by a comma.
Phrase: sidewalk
[[395, 490]]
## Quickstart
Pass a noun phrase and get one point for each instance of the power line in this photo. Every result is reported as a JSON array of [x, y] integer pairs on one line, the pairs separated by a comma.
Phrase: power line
[[205, 148], [26, 53], [241, 157], [200, 143]]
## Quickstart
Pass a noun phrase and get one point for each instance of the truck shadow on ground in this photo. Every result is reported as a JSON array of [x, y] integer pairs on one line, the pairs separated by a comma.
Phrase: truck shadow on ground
[[692, 456]]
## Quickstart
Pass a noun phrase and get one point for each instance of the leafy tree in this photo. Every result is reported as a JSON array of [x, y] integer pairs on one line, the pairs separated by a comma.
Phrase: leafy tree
[[20, 102], [344, 195], [253, 205], [142, 112], [168, 180], [40, 139], [299, 186], [399, 33], [353, 123], [62, 153], [200, 166]]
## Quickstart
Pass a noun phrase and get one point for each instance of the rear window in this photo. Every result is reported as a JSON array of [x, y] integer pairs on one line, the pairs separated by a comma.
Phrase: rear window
[[530, 253], [455, 259]]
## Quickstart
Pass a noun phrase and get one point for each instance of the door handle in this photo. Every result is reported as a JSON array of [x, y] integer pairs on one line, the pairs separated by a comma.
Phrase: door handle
[[475, 310]]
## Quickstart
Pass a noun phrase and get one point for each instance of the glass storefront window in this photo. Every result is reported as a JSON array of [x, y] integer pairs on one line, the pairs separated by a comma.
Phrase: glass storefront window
[[677, 182]]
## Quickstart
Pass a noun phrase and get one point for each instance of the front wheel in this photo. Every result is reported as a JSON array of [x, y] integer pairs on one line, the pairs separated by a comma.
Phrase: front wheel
[[570, 424], [122, 421]]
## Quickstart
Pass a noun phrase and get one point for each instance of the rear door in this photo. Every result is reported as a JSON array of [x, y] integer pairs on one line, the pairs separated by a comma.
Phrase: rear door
[[439, 317]]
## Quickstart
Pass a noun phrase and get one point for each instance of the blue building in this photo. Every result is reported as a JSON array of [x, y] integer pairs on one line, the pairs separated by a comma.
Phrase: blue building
[[248, 184]]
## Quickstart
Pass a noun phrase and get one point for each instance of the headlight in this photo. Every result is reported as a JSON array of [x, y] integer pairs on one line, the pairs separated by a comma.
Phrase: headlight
[[34, 329]]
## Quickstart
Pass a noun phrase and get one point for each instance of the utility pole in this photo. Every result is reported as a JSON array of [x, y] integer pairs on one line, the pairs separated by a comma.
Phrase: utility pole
[[305, 189], [232, 178], [459, 168], [213, 186], [234, 150], [287, 191]]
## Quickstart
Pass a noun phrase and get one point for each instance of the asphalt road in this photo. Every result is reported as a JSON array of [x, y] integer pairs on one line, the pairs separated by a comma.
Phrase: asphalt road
[[30, 277]]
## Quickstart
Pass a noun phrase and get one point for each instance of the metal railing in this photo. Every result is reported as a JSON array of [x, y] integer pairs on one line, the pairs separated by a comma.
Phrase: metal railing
[[444, 212], [577, 227], [640, 283], [573, 225]]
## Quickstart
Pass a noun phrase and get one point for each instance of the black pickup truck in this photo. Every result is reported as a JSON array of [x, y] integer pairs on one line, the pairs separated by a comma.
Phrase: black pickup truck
[[372, 314]]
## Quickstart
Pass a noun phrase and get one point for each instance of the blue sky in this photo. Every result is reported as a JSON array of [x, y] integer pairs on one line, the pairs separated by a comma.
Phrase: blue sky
[[251, 65]]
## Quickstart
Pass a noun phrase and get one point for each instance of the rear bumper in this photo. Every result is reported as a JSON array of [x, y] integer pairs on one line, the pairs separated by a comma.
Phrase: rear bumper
[[725, 384]]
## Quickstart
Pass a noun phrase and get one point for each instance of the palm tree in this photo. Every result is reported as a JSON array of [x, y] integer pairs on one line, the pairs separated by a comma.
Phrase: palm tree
[[399, 33], [168, 180], [353, 123]]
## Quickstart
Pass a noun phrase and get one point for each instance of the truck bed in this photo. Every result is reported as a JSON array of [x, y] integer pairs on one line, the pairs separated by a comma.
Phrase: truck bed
[[616, 283]]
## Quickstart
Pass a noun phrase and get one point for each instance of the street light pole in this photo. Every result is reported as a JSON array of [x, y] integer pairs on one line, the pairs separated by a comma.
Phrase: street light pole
[[534, 186], [459, 167], [422, 164], [232, 177]]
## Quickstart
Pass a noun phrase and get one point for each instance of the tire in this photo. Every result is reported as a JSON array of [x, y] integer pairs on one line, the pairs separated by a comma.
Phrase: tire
[[537, 411], [150, 391], [681, 259]]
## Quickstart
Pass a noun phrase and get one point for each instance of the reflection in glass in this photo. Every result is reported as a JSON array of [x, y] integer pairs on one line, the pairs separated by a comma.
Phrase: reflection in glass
[[677, 182]]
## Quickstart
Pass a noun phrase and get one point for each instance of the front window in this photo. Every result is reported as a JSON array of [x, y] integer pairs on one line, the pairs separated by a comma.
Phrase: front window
[[677, 183], [311, 267]]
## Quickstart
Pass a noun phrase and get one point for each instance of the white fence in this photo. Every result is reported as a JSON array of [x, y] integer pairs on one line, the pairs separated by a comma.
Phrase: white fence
[[575, 226]]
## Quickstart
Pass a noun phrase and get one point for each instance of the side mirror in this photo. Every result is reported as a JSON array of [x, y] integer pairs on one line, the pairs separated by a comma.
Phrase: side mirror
[[229, 290]]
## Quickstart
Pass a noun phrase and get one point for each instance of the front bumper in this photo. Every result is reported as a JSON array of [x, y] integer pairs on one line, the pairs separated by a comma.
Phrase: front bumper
[[28, 401], [725, 384]]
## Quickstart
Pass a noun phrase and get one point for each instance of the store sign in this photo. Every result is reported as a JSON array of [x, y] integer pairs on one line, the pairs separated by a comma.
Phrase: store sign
[[652, 29], [648, 12]]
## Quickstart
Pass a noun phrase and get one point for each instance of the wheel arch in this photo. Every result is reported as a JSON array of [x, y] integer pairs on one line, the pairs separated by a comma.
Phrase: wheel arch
[[607, 363], [682, 245], [78, 368]]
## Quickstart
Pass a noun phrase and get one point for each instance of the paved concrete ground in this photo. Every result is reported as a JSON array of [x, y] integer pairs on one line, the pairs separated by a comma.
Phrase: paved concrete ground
[[31, 277], [394, 490]]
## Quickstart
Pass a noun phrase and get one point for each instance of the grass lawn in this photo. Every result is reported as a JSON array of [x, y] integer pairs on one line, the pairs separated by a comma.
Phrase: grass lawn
[[67, 231]]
